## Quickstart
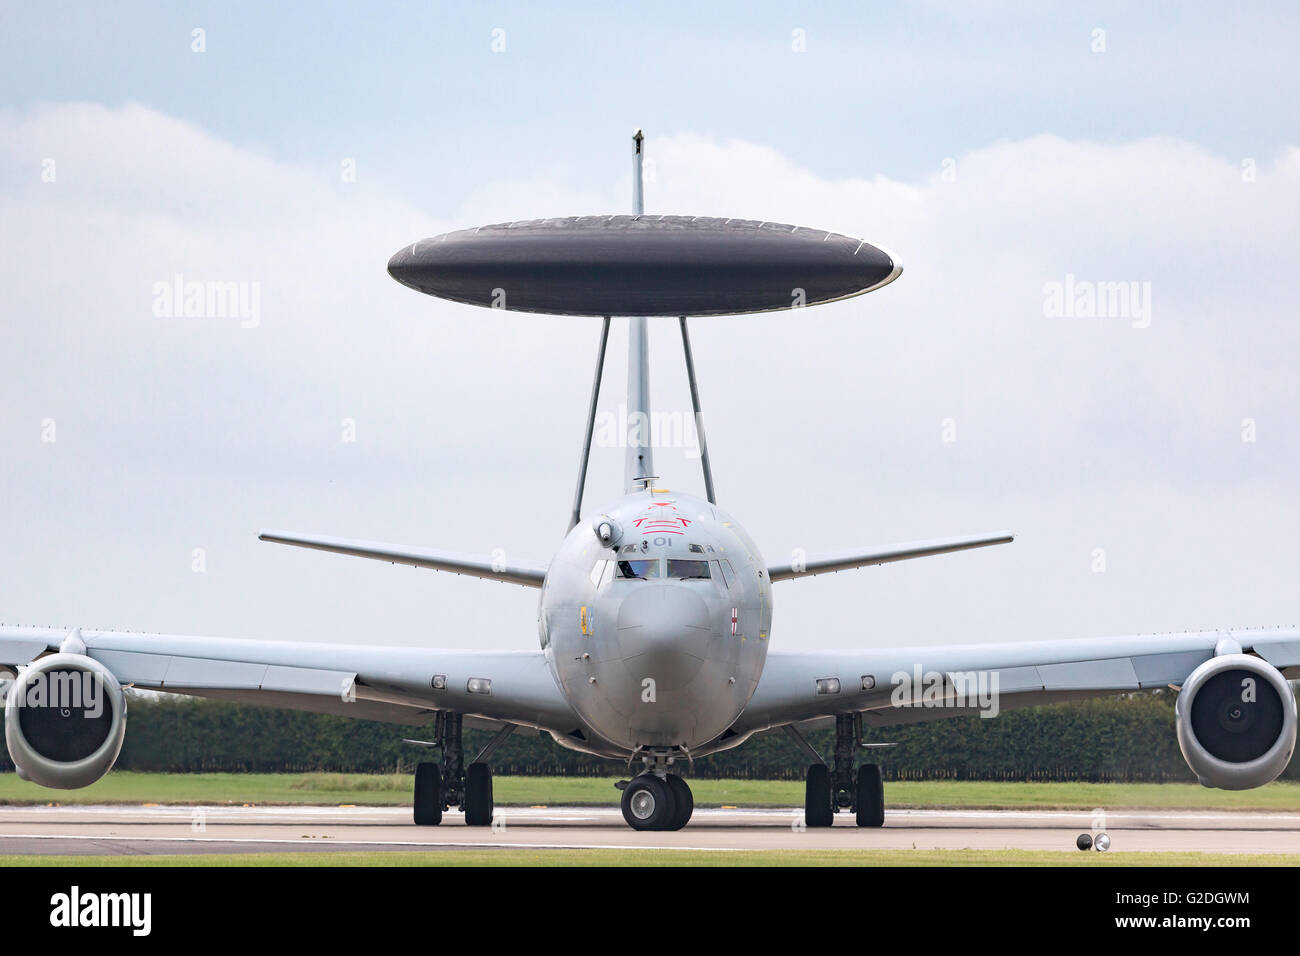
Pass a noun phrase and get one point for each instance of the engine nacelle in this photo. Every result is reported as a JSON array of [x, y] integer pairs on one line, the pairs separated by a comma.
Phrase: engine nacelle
[[1236, 719], [65, 719]]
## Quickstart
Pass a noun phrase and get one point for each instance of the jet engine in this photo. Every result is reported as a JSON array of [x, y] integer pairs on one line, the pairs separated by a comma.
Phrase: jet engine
[[65, 719], [1236, 719]]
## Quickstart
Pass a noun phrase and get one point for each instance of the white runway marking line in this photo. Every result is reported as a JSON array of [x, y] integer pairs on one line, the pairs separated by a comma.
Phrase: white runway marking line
[[319, 841]]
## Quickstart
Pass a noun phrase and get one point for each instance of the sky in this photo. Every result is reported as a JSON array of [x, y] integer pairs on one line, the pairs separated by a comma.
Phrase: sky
[[1144, 452]]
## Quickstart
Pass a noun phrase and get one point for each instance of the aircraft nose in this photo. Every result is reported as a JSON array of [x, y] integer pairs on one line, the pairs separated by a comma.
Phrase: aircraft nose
[[663, 633]]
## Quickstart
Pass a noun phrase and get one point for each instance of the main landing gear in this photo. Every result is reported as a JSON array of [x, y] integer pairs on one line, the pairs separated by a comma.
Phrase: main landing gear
[[828, 790], [440, 787], [657, 801]]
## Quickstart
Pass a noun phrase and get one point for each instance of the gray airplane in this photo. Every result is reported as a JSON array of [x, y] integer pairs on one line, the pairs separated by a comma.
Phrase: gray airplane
[[655, 615]]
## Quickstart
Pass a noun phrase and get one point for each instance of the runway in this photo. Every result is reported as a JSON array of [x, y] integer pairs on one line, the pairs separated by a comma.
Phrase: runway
[[134, 830]]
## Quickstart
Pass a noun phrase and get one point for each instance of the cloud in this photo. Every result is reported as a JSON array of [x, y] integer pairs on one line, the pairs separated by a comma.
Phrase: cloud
[[825, 426]]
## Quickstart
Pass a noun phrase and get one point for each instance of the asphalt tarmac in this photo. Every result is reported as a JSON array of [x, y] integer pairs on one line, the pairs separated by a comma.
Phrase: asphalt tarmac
[[125, 830]]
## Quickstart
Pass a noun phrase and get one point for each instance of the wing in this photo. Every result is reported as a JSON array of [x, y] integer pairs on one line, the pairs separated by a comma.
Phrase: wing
[[395, 684], [886, 685]]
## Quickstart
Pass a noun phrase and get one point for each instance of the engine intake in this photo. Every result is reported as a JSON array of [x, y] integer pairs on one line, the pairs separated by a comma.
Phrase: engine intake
[[1236, 720], [65, 720]]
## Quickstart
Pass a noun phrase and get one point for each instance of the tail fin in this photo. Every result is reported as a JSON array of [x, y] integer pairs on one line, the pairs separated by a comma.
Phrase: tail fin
[[639, 463]]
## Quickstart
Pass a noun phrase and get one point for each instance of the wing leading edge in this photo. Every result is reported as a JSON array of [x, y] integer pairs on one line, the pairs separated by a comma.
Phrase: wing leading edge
[[395, 684], [882, 684]]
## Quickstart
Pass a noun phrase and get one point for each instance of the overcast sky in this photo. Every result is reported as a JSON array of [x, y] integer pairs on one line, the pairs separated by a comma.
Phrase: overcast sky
[[1147, 461]]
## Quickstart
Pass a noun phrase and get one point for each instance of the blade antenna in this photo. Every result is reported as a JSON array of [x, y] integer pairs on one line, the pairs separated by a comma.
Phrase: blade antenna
[[699, 416], [591, 424]]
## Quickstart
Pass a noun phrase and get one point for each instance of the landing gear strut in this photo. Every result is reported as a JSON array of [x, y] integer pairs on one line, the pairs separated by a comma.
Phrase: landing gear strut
[[829, 790], [442, 787]]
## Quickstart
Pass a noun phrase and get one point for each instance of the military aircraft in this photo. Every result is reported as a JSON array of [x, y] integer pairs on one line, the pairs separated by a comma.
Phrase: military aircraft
[[655, 615]]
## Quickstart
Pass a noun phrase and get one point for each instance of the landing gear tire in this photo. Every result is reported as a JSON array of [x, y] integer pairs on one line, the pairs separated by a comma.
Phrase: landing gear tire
[[648, 803], [817, 809], [428, 795], [871, 797], [683, 799], [478, 795]]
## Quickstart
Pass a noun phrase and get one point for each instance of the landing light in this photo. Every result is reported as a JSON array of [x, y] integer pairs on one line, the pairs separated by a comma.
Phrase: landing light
[[479, 685]]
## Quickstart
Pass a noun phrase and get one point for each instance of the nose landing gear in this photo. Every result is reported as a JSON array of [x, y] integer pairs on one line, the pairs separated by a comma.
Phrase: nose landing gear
[[654, 802]]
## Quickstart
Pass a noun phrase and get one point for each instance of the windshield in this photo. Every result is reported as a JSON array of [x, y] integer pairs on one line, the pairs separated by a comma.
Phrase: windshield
[[679, 568], [640, 569]]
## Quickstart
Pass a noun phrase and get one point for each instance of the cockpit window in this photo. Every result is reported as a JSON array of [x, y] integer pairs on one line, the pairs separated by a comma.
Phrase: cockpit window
[[639, 568], [680, 568]]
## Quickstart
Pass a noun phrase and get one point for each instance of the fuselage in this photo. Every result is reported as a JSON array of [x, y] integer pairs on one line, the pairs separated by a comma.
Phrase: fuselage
[[658, 633]]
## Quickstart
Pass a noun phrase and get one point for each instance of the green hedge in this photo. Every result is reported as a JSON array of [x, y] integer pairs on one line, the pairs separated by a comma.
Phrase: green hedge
[[1128, 738]]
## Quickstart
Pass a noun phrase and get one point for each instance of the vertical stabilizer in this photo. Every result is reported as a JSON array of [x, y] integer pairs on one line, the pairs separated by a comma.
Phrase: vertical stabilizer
[[640, 457]]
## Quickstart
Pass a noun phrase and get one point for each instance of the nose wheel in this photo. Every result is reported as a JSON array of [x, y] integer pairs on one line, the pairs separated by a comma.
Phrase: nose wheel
[[685, 802], [651, 802]]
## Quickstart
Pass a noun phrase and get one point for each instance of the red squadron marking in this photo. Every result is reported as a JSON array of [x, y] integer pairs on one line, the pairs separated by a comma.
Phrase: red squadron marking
[[660, 521]]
